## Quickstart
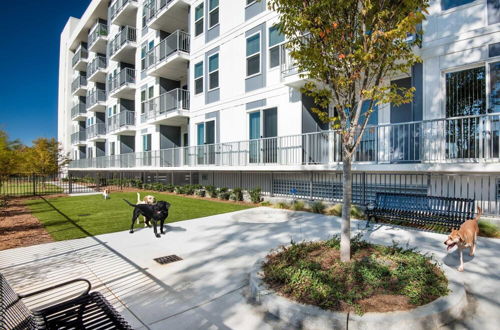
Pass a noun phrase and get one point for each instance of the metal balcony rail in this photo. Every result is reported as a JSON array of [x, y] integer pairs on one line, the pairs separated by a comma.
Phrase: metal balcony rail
[[98, 63], [99, 30], [78, 137], [124, 77], [116, 7], [178, 41], [96, 96], [451, 140], [80, 81], [176, 99], [127, 34], [80, 54], [121, 119], [78, 109], [153, 7], [96, 130]]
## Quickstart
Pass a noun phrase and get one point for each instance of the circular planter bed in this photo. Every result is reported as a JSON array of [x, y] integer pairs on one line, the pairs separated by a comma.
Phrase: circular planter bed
[[307, 286]]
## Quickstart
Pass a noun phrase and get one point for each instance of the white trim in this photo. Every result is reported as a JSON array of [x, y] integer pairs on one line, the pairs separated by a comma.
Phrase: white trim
[[210, 72], [249, 4], [254, 54]]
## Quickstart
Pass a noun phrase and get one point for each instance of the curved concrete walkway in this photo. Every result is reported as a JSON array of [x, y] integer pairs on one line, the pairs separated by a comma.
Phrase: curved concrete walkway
[[206, 289]]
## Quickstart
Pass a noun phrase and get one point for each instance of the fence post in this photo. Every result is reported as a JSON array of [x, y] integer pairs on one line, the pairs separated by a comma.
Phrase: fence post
[[272, 184], [34, 183], [363, 178], [70, 183], [311, 186], [121, 180]]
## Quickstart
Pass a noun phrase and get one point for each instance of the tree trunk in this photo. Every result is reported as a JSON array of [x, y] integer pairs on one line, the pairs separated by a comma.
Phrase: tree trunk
[[345, 232]]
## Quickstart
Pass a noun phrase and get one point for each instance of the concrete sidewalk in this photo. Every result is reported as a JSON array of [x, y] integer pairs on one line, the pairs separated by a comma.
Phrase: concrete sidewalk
[[205, 289]]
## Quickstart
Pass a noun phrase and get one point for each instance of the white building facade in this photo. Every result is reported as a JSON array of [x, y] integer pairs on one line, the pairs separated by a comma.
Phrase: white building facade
[[203, 91]]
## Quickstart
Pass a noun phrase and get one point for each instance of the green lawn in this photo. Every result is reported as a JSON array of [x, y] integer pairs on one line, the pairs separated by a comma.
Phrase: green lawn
[[76, 217], [26, 188]]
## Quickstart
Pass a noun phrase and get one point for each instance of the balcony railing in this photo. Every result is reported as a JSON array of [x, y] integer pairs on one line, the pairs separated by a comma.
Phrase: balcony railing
[[98, 63], [176, 99], [121, 119], [80, 81], [122, 78], [94, 97], [80, 54], [98, 31], [78, 110], [179, 41], [78, 137], [153, 7], [96, 130], [453, 140], [126, 35], [117, 6]]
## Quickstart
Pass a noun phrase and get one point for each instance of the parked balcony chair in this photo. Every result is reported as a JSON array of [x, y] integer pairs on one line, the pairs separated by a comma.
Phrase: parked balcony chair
[[89, 310]]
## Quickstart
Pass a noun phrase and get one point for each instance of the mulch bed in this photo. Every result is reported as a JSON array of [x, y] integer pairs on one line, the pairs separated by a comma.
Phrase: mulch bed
[[18, 227]]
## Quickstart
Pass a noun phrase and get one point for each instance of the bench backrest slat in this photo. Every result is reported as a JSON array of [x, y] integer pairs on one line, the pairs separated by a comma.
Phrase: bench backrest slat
[[13, 312]]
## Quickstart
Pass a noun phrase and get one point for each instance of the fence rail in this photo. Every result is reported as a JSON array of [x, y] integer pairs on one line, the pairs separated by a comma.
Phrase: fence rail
[[47, 184]]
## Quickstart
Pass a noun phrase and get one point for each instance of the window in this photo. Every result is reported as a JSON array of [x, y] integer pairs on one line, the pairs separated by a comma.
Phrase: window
[[498, 189], [146, 142], [448, 4], [494, 105], [198, 78], [275, 41], [213, 72], [249, 2], [466, 92], [112, 148], [200, 129], [143, 99], [253, 55], [198, 20], [213, 13]]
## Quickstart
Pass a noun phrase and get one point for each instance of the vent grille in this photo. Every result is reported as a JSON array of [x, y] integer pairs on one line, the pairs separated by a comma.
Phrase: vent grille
[[167, 259]]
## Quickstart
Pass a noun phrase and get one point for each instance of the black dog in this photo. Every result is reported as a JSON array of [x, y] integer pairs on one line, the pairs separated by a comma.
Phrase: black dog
[[155, 212]]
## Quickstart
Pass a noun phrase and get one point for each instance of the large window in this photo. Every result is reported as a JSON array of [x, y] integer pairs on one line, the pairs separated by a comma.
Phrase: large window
[[253, 55], [213, 13], [213, 72], [494, 105], [198, 78], [198, 20], [276, 39], [448, 4], [466, 92]]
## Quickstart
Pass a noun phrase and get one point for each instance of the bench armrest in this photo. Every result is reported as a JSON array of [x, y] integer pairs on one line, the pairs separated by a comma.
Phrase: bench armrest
[[85, 292]]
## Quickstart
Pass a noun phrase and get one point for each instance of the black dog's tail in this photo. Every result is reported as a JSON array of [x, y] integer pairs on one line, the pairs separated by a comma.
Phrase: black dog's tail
[[126, 201]]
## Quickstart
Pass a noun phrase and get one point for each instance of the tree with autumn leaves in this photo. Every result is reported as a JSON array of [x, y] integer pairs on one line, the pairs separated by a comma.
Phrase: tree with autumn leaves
[[348, 51]]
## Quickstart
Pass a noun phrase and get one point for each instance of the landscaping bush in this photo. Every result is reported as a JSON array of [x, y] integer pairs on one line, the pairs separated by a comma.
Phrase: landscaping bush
[[200, 192], [318, 207], [282, 205], [212, 191], [256, 195], [336, 210], [224, 193], [178, 190], [170, 188], [298, 206], [312, 273], [266, 203], [188, 190], [237, 195], [488, 229]]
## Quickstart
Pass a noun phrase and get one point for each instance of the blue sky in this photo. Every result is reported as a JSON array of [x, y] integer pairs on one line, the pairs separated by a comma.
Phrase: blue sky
[[29, 60]]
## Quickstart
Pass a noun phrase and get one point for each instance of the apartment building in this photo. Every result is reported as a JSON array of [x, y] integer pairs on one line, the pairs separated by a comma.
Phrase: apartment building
[[204, 91]]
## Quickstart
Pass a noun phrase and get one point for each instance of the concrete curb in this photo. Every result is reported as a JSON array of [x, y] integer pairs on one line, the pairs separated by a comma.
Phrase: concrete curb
[[430, 316]]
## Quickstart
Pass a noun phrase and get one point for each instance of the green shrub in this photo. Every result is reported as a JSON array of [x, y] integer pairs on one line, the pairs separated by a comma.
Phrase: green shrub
[[336, 210], [256, 195], [266, 203], [282, 205], [188, 190], [178, 190], [318, 207], [211, 191], [170, 188], [488, 229], [200, 192], [223, 193], [298, 206], [237, 195]]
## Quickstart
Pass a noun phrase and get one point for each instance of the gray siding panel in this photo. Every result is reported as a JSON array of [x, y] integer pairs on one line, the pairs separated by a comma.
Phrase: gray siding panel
[[214, 95], [255, 9], [216, 116], [258, 81], [418, 83], [256, 104]]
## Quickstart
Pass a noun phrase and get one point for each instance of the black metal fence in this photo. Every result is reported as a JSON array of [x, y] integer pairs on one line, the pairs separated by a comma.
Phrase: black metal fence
[[36, 185]]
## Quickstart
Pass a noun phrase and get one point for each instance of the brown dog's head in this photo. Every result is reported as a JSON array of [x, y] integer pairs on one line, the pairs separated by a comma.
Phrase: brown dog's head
[[149, 199], [453, 239]]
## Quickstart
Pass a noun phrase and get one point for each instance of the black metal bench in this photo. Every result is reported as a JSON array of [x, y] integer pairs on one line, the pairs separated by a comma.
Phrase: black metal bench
[[421, 209], [90, 310]]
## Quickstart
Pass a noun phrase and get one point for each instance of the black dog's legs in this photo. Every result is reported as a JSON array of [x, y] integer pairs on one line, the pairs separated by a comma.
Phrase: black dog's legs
[[135, 215], [162, 222], [154, 226]]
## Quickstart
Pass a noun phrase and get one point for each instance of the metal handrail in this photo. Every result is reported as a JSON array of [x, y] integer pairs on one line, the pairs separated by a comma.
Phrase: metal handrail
[[127, 34], [98, 30], [178, 41], [153, 7], [78, 137], [176, 99], [80, 54], [95, 130], [116, 7], [78, 109], [99, 62], [121, 119], [124, 77], [95, 96], [80, 81]]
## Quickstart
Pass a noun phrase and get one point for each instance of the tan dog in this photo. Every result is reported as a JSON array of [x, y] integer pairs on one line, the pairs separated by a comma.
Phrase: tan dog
[[465, 237], [105, 193], [148, 199]]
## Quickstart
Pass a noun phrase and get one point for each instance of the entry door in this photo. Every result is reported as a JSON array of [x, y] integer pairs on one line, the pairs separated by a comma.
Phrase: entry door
[[270, 125], [210, 141], [146, 147], [254, 147]]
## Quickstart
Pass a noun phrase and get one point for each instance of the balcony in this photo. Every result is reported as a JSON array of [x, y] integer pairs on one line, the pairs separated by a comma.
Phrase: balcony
[[79, 86], [96, 70], [472, 139], [170, 108], [122, 86], [96, 100], [169, 59], [79, 111], [123, 123], [96, 132], [98, 38], [79, 60], [123, 12], [122, 47], [78, 138], [290, 75], [167, 15]]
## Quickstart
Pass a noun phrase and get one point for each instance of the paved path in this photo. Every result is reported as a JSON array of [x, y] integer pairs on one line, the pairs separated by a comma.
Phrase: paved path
[[206, 289]]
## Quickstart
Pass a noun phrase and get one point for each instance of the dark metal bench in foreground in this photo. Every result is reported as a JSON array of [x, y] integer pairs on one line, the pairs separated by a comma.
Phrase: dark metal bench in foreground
[[421, 209], [90, 310]]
